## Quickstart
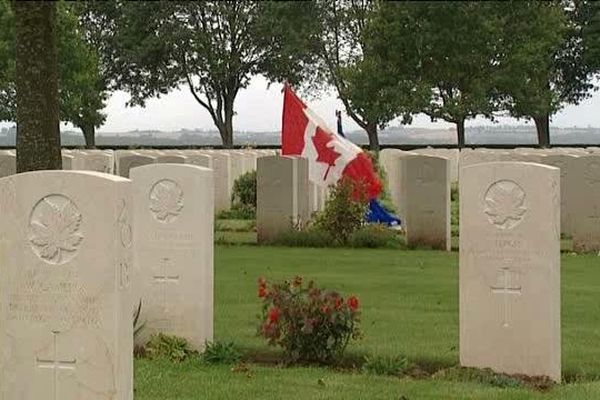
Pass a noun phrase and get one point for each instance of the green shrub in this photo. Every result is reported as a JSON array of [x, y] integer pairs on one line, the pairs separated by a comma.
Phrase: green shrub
[[310, 237], [343, 213], [173, 348], [241, 212], [375, 236], [454, 208], [386, 365], [385, 197], [221, 353], [310, 324], [244, 191]]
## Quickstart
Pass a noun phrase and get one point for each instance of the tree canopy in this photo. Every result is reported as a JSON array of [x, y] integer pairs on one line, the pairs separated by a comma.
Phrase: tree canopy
[[214, 48], [81, 86]]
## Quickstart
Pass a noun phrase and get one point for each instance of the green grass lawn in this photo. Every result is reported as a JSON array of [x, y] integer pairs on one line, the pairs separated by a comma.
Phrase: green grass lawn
[[410, 307]]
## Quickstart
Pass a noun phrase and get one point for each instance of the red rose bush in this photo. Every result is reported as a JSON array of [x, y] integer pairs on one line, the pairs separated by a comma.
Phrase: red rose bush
[[310, 324]]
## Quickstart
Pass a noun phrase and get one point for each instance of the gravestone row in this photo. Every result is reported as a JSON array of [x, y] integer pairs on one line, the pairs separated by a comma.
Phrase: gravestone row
[[79, 253]]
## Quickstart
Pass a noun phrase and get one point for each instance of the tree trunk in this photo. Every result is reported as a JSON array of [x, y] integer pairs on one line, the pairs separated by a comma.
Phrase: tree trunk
[[226, 130], [38, 131], [89, 134], [542, 125], [373, 136], [460, 132]]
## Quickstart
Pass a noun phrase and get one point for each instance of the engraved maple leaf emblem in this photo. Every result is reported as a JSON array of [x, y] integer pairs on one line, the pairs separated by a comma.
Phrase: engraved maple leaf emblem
[[56, 230], [166, 200], [504, 204]]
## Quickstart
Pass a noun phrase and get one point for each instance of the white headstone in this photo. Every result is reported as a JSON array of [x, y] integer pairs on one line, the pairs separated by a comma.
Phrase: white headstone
[[67, 162], [65, 290], [127, 161], [223, 184], [389, 159], [565, 162], [585, 184], [173, 239], [170, 159], [425, 183], [510, 268], [281, 198], [8, 163], [93, 161]]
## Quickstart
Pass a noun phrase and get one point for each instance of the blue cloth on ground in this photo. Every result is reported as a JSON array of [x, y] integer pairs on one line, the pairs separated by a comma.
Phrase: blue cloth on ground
[[378, 214]]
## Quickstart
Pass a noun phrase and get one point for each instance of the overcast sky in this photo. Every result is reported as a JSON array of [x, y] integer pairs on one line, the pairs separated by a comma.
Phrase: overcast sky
[[259, 109]]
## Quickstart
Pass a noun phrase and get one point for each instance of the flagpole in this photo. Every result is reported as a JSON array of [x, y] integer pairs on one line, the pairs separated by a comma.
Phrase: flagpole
[[285, 94]]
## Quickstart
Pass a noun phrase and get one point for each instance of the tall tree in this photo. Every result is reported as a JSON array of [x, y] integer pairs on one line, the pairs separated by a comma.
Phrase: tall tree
[[347, 63], [591, 35], [7, 63], [38, 134], [83, 90], [546, 66], [452, 46], [212, 47]]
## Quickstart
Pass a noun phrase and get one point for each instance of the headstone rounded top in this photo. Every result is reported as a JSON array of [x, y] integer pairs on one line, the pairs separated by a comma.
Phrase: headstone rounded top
[[169, 167]]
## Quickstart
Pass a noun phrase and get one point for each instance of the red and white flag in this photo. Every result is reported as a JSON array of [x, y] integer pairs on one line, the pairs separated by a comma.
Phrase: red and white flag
[[330, 156]]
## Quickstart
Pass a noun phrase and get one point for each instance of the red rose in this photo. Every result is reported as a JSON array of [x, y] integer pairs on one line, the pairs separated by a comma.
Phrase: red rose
[[353, 303], [339, 302], [326, 310], [262, 292], [262, 282], [274, 314]]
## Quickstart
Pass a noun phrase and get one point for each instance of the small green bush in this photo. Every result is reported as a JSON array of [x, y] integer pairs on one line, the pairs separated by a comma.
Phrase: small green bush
[[173, 348], [386, 365], [221, 353], [374, 236], [244, 191], [343, 213]]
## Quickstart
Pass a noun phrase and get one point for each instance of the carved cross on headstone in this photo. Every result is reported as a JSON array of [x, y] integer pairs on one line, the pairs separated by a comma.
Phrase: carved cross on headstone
[[164, 279], [56, 364], [595, 215], [506, 289]]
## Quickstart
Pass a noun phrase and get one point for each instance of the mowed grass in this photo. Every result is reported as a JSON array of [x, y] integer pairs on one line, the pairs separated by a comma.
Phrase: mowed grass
[[410, 307]]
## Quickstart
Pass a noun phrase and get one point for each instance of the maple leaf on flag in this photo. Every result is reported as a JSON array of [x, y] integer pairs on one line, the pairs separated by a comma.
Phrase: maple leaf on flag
[[326, 155]]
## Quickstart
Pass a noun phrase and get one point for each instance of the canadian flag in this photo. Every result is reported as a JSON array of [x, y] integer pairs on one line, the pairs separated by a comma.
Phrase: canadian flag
[[330, 156]]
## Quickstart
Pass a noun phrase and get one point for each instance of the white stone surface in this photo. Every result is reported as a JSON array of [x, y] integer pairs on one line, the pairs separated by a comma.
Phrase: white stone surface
[[585, 184], [66, 322], [8, 163], [510, 268], [425, 182], [282, 200], [67, 162], [173, 239], [568, 193], [223, 184], [127, 160], [169, 158], [389, 159], [93, 161]]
